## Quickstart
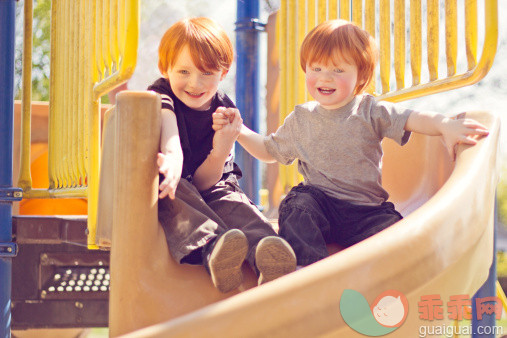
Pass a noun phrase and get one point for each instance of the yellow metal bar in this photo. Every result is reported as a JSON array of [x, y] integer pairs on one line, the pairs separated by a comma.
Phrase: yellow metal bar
[[53, 83], [385, 42], [121, 24], [25, 178], [72, 116], [312, 19], [113, 36], [433, 39], [369, 17], [415, 41], [98, 37], [128, 63], [106, 32], [55, 114], [69, 97], [459, 80], [471, 32], [291, 75], [93, 50], [322, 12], [357, 12], [369, 26], [345, 9], [451, 35], [64, 78], [399, 43], [282, 47], [301, 33], [332, 9], [90, 107], [284, 56], [56, 193], [82, 96], [129, 54], [93, 146]]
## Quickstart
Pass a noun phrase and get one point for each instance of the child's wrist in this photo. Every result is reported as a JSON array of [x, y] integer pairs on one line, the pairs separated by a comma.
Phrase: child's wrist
[[444, 122], [217, 155]]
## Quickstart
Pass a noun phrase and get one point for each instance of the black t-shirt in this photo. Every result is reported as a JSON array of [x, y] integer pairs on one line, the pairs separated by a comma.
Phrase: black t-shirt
[[194, 127]]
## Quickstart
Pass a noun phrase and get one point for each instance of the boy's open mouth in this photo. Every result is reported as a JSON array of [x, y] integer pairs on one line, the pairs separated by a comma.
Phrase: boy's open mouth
[[326, 91], [194, 95]]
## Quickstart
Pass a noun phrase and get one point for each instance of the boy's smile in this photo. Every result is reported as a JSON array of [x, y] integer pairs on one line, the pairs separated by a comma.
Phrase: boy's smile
[[331, 84], [326, 91], [192, 86]]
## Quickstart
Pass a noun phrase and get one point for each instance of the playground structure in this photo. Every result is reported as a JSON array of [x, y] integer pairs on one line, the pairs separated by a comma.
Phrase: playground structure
[[445, 241]]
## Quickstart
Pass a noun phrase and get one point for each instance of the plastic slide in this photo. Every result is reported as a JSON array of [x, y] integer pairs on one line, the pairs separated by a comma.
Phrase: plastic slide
[[443, 246]]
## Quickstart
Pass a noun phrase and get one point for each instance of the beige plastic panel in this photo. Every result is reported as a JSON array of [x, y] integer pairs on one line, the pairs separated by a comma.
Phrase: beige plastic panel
[[444, 245]]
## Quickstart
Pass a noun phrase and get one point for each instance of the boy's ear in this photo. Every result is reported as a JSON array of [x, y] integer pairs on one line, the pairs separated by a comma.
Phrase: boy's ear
[[360, 81], [224, 73]]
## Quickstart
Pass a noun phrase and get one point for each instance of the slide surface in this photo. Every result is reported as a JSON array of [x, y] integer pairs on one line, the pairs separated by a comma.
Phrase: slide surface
[[442, 249]]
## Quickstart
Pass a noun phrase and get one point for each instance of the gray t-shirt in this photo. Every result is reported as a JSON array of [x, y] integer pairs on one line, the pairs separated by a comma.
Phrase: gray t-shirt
[[339, 150]]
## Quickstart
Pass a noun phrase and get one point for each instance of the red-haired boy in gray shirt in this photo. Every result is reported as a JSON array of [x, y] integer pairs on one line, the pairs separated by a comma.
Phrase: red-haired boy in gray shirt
[[337, 142]]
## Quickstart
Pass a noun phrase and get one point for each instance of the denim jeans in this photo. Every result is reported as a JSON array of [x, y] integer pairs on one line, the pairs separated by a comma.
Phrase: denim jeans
[[309, 219]]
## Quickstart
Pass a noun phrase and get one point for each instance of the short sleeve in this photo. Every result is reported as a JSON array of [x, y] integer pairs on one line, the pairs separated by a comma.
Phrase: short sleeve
[[162, 87], [389, 120], [281, 144], [167, 102]]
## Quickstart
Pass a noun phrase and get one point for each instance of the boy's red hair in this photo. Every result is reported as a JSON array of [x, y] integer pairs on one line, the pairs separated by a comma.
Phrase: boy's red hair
[[209, 45], [340, 39]]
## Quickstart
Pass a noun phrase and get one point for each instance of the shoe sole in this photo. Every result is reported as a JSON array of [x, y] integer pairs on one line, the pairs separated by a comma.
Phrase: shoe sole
[[274, 258], [226, 260]]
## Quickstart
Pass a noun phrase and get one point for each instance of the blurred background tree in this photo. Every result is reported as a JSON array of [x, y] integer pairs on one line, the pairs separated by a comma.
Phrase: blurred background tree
[[41, 49]]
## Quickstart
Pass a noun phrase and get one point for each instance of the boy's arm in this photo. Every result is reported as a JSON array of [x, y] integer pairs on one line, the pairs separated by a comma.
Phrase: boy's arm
[[250, 140], [211, 170], [453, 131], [254, 144], [170, 158]]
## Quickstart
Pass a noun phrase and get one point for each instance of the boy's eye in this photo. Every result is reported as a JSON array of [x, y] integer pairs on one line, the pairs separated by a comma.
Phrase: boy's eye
[[338, 70], [208, 73], [183, 71], [316, 69]]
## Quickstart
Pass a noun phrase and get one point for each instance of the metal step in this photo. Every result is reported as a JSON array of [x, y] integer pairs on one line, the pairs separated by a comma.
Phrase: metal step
[[56, 281]]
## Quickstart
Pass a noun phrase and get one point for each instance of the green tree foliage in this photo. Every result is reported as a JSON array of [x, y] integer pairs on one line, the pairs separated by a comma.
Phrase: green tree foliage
[[41, 49]]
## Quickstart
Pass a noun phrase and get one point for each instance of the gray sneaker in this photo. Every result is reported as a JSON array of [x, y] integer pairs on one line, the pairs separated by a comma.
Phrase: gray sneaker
[[226, 260], [274, 258]]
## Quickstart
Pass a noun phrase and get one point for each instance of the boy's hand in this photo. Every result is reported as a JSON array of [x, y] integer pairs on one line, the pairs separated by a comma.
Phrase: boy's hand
[[223, 116], [455, 131], [171, 173], [227, 124]]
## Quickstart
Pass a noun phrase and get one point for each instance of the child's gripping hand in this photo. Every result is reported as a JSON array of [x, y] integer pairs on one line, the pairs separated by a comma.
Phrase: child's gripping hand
[[221, 117], [227, 124], [455, 131], [171, 173]]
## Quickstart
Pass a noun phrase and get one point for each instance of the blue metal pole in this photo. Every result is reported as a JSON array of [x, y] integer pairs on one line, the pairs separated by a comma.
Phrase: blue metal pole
[[7, 27], [486, 326], [248, 29]]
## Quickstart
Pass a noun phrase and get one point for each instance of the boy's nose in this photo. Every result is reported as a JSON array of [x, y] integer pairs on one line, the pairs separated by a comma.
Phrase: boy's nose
[[326, 76], [195, 81]]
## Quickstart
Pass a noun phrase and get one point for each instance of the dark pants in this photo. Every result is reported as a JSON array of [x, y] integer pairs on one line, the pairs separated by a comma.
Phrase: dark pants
[[194, 218], [309, 219]]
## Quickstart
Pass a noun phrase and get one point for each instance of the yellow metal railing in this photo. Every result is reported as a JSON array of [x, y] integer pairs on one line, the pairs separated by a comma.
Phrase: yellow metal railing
[[409, 36], [93, 50]]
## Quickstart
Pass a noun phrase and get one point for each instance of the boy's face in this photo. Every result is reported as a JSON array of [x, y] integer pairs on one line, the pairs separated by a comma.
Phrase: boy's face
[[332, 84], [192, 86]]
